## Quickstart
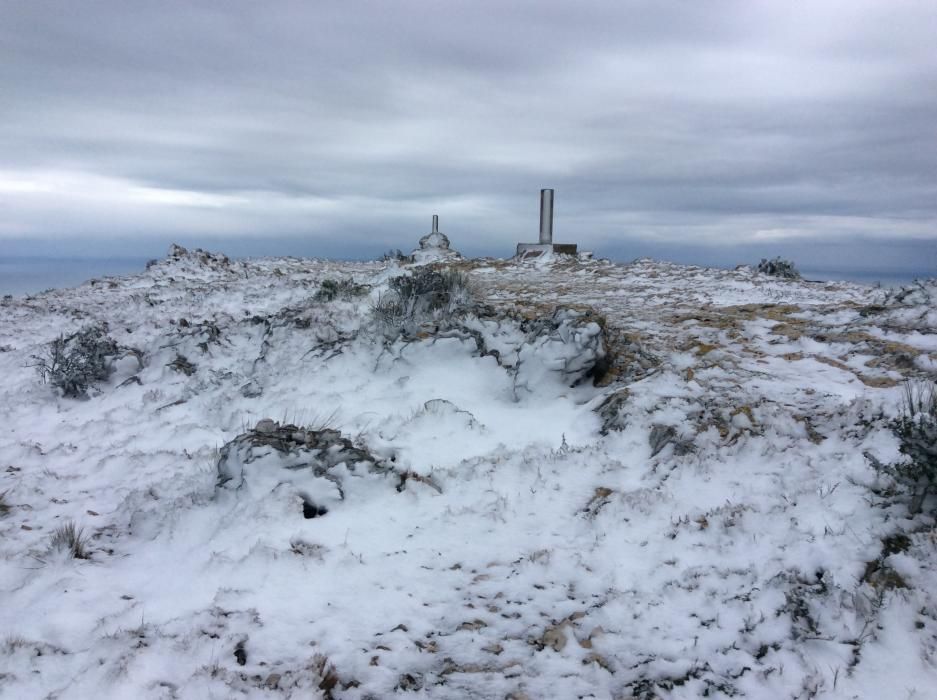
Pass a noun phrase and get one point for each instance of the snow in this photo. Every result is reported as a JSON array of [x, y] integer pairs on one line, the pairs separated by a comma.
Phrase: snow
[[488, 530]]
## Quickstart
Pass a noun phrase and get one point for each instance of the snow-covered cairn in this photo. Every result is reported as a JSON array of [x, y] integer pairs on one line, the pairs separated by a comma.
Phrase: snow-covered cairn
[[300, 467], [434, 247]]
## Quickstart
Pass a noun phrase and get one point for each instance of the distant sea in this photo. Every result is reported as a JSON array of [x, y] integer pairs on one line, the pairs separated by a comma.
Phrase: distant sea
[[889, 278], [20, 276]]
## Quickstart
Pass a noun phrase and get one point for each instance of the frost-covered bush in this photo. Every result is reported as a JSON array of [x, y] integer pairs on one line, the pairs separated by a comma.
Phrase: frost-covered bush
[[426, 295], [339, 289], [778, 268], [74, 363], [918, 293], [916, 428], [396, 254]]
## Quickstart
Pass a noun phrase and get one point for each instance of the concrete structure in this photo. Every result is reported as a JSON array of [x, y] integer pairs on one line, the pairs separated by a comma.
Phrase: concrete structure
[[434, 246], [546, 244], [546, 217]]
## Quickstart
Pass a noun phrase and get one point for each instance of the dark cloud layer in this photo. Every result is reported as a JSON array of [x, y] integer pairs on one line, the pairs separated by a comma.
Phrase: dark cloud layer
[[340, 127]]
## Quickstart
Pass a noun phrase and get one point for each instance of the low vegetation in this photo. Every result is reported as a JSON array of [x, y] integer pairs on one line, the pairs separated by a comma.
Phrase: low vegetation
[[70, 538], [73, 363], [778, 268], [332, 289], [916, 427], [425, 296]]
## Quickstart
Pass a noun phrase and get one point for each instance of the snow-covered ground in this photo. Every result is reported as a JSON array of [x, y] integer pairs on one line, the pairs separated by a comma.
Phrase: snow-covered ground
[[599, 481]]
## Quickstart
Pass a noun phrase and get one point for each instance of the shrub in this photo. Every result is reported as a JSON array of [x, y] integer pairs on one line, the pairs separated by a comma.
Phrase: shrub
[[916, 428], [778, 268], [70, 538], [396, 255], [339, 289], [426, 295], [74, 363]]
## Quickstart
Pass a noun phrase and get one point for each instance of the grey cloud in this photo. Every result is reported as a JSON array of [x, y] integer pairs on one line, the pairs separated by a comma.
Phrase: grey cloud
[[350, 124]]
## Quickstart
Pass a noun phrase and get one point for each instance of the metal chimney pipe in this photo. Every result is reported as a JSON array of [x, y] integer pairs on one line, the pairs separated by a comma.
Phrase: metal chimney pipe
[[546, 217], [435, 223]]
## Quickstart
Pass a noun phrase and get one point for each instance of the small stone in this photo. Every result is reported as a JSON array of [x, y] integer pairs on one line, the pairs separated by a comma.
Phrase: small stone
[[473, 625], [266, 426], [600, 660], [273, 681], [555, 637], [410, 682], [251, 390]]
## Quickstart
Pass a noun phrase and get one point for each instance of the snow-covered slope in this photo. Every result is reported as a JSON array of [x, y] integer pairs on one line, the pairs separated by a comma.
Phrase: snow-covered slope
[[580, 479]]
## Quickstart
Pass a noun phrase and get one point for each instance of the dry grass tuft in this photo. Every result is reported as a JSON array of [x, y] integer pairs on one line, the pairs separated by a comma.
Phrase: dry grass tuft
[[70, 538]]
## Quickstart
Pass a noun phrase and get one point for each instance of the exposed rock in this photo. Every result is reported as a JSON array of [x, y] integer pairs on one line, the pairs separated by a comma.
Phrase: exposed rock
[[177, 251], [265, 426], [251, 390], [410, 682], [554, 637], [612, 412], [198, 256], [182, 364], [663, 435]]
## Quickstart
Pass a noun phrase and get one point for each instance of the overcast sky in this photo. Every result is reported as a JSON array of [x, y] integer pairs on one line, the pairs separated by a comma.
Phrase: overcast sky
[[712, 129]]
